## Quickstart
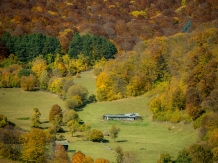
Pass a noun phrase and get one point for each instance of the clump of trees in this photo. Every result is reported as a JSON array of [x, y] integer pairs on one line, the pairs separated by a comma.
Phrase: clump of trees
[[28, 47], [80, 157]]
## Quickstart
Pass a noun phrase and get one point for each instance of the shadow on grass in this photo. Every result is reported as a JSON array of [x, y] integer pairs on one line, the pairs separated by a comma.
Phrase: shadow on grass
[[71, 150], [105, 141], [44, 122], [122, 141], [43, 128]]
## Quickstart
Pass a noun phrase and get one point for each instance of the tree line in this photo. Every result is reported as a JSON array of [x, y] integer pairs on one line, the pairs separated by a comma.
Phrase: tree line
[[30, 46]]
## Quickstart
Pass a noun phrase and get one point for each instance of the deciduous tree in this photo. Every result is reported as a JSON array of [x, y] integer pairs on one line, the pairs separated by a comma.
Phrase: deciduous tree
[[35, 122], [114, 131], [56, 115], [35, 146], [60, 155]]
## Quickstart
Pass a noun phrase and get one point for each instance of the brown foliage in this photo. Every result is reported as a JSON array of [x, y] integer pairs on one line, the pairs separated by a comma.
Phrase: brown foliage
[[60, 155], [55, 115], [28, 83], [193, 103]]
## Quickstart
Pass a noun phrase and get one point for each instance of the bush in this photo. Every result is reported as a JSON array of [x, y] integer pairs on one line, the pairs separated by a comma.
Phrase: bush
[[79, 90], [70, 115], [24, 72], [96, 135], [28, 83]]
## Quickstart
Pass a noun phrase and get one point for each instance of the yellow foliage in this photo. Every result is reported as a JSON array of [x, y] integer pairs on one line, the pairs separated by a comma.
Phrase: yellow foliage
[[137, 13], [34, 145], [55, 85], [53, 13], [39, 65]]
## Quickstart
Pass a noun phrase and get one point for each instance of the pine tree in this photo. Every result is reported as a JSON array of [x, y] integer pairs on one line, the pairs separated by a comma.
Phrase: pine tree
[[75, 46]]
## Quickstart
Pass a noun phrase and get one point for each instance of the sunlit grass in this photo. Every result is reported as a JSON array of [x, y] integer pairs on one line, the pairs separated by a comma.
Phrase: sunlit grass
[[145, 138], [17, 105]]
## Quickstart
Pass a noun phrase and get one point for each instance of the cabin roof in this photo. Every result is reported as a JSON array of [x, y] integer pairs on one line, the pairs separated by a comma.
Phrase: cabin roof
[[123, 115], [65, 142]]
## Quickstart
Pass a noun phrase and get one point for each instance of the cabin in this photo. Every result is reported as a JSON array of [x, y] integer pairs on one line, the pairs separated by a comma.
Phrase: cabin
[[129, 116], [64, 143]]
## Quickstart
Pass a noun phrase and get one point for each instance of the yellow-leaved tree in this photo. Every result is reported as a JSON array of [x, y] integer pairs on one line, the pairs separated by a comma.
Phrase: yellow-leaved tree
[[39, 65], [35, 146]]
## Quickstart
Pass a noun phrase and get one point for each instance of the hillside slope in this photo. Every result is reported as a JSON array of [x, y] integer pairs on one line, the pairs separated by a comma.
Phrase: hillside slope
[[124, 22]]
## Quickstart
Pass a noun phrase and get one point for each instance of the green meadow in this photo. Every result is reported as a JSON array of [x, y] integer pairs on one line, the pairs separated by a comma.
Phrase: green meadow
[[145, 139]]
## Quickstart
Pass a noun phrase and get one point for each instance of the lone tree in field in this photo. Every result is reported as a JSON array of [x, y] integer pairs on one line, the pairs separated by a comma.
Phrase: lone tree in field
[[56, 115], [35, 122], [114, 131]]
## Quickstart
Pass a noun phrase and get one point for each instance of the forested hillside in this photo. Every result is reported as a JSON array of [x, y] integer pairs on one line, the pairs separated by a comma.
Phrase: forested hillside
[[166, 48], [123, 21]]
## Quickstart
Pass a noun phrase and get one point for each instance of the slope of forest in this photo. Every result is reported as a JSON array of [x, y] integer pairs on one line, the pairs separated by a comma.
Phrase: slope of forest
[[152, 53], [123, 21]]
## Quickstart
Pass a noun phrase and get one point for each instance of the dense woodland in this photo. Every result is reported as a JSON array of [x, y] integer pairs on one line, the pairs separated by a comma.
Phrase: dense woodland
[[134, 47]]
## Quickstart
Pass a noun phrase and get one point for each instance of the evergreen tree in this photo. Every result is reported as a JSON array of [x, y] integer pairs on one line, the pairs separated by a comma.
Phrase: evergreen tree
[[87, 46], [75, 46]]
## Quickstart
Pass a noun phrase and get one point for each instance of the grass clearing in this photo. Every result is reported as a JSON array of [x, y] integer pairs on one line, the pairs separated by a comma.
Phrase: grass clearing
[[145, 138], [18, 105]]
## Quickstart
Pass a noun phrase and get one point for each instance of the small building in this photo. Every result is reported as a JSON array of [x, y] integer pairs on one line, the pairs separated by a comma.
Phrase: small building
[[129, 116], [64, 143]]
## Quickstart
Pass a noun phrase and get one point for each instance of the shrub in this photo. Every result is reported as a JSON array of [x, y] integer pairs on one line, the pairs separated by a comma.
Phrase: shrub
[[96, 135], [70, 115], [77, 90], [28, 83]]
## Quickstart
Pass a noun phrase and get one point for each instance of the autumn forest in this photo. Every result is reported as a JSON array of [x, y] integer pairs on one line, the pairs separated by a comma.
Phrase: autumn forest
[[164, 49]]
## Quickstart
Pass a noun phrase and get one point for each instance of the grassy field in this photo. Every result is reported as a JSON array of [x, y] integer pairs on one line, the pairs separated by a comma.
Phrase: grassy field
[[87, 80], [146, 139], [18, 105]]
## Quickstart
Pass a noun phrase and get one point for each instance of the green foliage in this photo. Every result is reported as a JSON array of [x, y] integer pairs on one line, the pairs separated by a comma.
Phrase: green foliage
[[114, 131], [70, 115], [73, 126], [78, 94], [165, 158], [24, 72], [35, 122], [30, 46], [94, 47], [3, 120], [119, 154], [183, 157], [44, 79], [96, 135]]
